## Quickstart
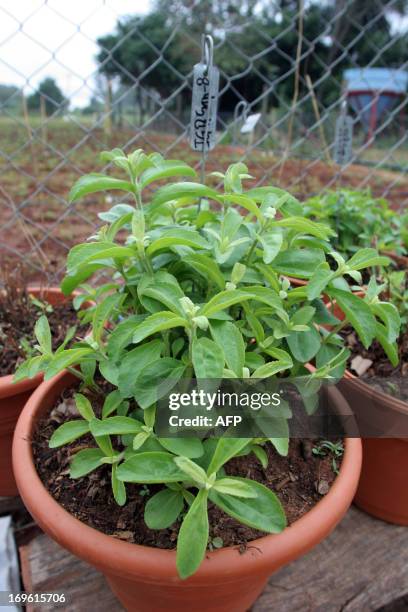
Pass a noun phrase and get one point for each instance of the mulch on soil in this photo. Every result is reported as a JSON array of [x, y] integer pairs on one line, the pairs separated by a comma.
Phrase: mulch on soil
[[300, 480]]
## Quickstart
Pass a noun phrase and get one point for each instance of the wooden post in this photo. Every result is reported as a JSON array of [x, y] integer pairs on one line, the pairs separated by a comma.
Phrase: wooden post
[[107, 124], [43, 114]]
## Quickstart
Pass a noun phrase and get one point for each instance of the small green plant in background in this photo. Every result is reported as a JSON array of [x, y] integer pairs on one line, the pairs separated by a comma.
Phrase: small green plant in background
[[360, 221], [198, 289], [397, 289], [336, 449]]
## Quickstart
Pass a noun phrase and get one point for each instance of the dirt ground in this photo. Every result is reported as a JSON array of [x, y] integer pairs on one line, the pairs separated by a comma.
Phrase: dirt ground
[[38, 226]]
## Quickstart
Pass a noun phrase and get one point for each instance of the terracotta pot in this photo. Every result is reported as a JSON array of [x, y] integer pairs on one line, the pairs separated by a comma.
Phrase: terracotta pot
[[145, 579], [12, 400], [401, 260], [382, 419], [335, 308]]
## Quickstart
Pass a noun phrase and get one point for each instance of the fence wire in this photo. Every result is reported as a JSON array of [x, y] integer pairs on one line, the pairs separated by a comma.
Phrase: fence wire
[[283, 59]]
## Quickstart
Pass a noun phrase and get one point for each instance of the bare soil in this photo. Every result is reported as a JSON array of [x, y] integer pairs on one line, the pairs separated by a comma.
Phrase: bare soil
[[300, 480]]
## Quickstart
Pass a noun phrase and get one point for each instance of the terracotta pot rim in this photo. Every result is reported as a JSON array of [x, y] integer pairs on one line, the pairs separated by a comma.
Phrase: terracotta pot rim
[[156, 564], [391, 402], [399, 259]]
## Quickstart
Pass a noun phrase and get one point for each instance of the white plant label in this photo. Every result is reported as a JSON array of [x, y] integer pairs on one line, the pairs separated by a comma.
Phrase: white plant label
[[204, 108], [343, 144], [250, 123]]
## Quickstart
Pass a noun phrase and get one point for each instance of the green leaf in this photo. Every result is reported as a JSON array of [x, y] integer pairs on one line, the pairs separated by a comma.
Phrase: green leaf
[[177, 236], [150, 468], [102, 313], [389, 315], [157, 322], [300, 263], [273, 367], [163, 509], [85, 461], [224, 451], [84, 407], [122, 335], [264, 512], [166, 169], [306, 226], [92, 183], [253, 360], [304, 345], [271, 244], [156, 380], [235, 487], [29, 368], [358, 313], [266, 296], [67, 358], [43, 334], [187, 447], [68, 432], [366, 258], [116, 425], [230, 341], [109, 371], [207, 267], [224, 300], [281, 445], [260, 454], [112, 401], [319, 281], [390, 348], [83, 254], [278, 198], [118, 488], [326, 354], [72, 281], [242, 200], [166, 294], [208, 359], [134, 362], [193, 537], [192, 470], [182, 190]]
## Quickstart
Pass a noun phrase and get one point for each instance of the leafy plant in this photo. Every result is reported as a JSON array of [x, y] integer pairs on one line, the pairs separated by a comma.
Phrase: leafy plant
[[360, 221], [327, 447], [198, 290], [397, 290]]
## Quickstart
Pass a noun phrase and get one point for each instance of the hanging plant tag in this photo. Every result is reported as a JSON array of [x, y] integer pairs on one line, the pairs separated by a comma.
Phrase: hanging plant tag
[[343, 144], [204, 108]]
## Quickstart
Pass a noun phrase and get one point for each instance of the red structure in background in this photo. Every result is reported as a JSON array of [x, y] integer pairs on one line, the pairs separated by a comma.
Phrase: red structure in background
[[374, 92]]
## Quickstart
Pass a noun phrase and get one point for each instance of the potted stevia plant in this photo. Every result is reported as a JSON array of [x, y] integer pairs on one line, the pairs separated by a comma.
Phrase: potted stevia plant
[[376, 379], [375, 376], [197, 290], [361, 221], [20, 309]]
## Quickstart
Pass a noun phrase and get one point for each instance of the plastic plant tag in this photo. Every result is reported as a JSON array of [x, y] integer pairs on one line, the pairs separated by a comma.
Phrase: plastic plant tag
[[250, 123], [343, 144], [204, 107]]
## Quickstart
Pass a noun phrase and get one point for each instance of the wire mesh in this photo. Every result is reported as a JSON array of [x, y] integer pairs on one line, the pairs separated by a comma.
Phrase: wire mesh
[[284, 59]]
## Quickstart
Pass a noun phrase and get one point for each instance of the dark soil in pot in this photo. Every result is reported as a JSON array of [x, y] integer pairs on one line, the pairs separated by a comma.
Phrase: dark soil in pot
[[18, 316], [300, 480], [380, 373]]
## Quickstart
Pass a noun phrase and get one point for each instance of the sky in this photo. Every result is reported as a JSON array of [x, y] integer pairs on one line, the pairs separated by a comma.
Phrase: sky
[[57, 38]]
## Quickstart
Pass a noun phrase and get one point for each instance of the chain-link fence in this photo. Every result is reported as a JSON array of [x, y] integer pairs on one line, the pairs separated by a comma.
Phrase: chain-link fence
[[80, 77]]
